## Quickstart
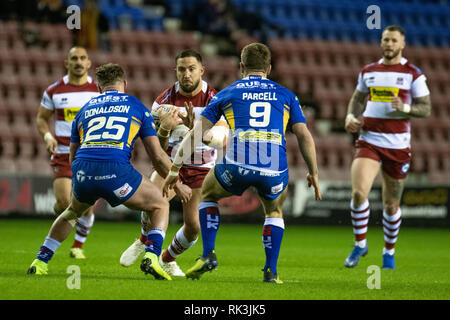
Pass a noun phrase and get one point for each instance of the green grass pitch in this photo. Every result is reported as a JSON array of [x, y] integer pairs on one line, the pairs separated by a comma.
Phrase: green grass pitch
[[311, 264]]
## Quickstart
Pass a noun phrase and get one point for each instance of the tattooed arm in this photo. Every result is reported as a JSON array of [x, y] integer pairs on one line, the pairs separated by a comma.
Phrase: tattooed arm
[[420, 107], [354, 110]]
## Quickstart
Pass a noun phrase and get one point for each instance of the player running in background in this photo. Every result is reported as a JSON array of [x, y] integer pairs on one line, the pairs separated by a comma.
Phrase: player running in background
[[258, 112], [396, 91], [192, 92], [64, 98], [103, 136]]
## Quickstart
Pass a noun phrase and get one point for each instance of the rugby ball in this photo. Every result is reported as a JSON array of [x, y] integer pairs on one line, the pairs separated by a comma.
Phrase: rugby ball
[[160, 110], [218, 136]]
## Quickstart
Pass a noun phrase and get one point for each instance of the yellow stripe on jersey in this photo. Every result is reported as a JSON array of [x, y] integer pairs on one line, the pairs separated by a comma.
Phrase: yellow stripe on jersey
[[260, 136], [134, 128], [136, 119], [70, 113], [286, 116], [81, 133], [102, 144], [229, 115]]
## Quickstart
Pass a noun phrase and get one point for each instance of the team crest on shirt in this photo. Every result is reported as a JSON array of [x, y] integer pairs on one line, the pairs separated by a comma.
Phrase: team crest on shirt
[[399, 81]]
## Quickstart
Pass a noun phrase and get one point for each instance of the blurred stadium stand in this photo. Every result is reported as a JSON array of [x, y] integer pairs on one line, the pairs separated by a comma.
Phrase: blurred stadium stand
[[318, 54]]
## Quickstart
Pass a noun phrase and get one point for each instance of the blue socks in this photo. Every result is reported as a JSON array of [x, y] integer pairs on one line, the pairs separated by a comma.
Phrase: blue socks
[[209, 224], [272, 233], [48, 249], [155, 238], [271, 237]]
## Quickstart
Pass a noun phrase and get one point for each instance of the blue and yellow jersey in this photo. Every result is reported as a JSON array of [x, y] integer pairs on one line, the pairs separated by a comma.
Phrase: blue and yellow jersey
[[258, 112], [108, 125]]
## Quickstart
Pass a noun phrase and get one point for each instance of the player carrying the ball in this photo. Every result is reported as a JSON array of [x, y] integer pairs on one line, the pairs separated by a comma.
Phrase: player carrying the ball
[[189, 95]]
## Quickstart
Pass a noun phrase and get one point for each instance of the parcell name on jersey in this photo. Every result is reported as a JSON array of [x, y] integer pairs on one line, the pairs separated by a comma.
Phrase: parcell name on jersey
[[109, 109], [267, 96]]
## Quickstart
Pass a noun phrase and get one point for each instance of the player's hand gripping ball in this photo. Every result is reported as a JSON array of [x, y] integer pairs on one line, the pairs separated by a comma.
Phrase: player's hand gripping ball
[[216, 137], [160, 110]]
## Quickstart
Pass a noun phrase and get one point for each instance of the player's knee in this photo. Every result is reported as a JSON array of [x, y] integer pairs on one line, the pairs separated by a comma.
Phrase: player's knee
[[274, 212], [358, 198], [162, 205], [60, 206], [391, 208]]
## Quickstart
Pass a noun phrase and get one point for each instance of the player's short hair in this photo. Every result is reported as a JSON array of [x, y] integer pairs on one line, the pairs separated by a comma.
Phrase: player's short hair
[[189, 53], [109, 74], [73, 48], [395, 28], [256, 57]]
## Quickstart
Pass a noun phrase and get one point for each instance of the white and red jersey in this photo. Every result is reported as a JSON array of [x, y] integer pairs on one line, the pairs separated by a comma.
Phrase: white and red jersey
[[204, 156], [66, 100], [383, 125]]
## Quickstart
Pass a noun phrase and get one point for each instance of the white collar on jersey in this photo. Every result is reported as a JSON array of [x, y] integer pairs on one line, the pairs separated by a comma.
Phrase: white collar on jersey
[[248, 77], [204, 86], [66, 79], [402, 60]]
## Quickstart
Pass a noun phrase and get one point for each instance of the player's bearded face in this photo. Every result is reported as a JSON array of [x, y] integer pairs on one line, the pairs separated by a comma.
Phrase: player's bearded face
[[189, 73], [189, 88], [390, 54], [392, 43]]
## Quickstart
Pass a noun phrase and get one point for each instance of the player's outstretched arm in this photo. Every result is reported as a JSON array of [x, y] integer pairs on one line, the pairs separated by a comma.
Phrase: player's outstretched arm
[[186, 149], [308, 150], [162, 165], [159, 158]]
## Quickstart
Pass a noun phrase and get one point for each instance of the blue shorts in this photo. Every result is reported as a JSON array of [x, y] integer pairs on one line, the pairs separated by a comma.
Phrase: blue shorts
[[113, 181], [237, 179]]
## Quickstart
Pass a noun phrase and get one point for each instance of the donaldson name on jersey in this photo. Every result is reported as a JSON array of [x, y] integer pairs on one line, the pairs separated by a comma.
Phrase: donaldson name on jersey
[[258, 112], [108, 125]]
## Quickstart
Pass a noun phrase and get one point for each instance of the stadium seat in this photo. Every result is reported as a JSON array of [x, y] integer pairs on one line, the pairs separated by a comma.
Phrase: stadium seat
[[41, 167], [24, 166], [7, 165], [41, 150], [9, 149], [21, 127]]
